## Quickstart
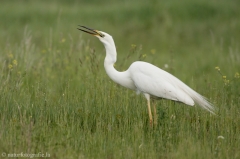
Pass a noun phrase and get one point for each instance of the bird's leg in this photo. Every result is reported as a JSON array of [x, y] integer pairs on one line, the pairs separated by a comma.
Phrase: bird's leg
[[147, 96], [155, 112], [149, 112]]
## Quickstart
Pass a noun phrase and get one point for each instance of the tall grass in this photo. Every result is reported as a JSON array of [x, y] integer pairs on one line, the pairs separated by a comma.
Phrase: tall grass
[[56, 98]]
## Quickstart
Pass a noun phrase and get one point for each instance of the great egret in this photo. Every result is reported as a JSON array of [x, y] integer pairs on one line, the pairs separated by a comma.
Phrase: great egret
[[147, 79]]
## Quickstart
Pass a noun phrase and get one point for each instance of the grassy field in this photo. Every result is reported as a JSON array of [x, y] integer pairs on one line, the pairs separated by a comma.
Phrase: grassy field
[[56, 98]]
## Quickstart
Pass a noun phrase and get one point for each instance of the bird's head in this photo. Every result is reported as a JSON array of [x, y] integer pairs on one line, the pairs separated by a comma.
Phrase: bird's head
[[105, 38]]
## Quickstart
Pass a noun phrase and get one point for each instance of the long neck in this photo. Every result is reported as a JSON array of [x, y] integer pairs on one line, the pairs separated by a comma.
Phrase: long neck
[[121, 78]]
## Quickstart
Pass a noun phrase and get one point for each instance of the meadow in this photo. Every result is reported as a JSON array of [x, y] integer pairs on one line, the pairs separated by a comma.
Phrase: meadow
[[56, 99]]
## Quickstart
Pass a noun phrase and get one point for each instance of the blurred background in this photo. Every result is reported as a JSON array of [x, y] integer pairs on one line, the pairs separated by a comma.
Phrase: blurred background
[[187, 30]]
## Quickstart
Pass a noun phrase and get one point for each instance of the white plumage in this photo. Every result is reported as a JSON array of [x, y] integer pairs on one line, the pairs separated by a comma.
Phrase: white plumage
[[148, 79]]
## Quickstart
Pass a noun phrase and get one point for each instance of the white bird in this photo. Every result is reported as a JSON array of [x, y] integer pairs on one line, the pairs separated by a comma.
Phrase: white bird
[[148, 79]]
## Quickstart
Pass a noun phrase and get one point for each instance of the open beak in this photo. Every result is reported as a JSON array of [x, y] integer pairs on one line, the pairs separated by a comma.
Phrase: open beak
[[90, 31]]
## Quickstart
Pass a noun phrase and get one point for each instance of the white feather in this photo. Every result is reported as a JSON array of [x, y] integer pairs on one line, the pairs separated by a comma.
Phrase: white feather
[[159, 83], [148, 79]]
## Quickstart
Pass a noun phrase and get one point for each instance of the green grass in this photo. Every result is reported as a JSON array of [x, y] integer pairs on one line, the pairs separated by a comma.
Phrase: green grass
[[56, 98]]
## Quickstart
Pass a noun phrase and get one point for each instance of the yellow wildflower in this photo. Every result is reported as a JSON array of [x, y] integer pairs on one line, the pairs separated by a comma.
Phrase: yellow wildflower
[[217, 68], [10, 66], [133, 45], [237, 75], [15, 62], [10, 55], [226, 82], [153, 51]]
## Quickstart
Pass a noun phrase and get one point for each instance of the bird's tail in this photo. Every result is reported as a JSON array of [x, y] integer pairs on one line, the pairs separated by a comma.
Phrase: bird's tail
[[200, 100], [203, 102], [196, 97]]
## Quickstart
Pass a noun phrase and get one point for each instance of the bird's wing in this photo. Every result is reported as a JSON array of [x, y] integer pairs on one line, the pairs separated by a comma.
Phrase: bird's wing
[[157, 82]]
